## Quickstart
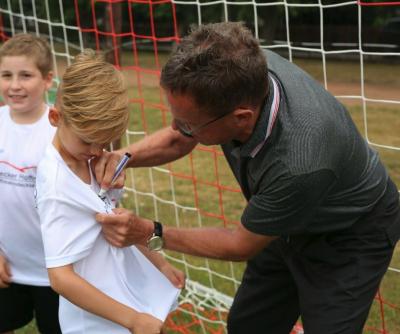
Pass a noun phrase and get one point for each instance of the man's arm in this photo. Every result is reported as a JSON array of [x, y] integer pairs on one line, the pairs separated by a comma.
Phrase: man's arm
[[237, 244], [124, 228], [79, 292], [161, 147]]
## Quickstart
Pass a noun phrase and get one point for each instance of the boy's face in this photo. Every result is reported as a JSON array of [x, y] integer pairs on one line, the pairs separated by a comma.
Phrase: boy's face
[[22, 84], [69, 144]]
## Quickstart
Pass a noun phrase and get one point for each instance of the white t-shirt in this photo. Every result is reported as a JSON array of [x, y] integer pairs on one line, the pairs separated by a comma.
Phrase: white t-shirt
[[21, 148], [67, 208]]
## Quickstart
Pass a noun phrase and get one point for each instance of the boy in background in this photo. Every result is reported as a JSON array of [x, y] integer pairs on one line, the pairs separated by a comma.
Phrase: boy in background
[[103, 289], [25, 75]]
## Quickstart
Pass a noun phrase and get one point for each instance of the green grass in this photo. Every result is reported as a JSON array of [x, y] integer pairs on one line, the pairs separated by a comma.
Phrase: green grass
[[29, 329], [204, 181]]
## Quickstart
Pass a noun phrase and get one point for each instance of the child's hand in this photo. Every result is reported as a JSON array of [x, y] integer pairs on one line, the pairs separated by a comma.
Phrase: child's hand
[[146, 324], [175, 276], [5, 273]]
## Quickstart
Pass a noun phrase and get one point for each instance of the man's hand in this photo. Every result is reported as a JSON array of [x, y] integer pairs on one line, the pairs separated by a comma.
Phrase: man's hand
[[5, 273], [175, 276], [104, 169], [145, 324], [123, 228]]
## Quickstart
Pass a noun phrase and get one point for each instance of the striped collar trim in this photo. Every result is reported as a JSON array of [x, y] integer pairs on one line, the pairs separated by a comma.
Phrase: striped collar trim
[[272, 117]]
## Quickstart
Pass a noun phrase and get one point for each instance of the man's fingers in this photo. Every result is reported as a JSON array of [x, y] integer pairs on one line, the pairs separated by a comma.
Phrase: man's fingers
[[109, 169], [98, 165], [101, 218], [104, 168], [120, 211], [120, 216], [109, 173], [120, 181], [107, 219], [116, 226], [113, 239], [128, 229]]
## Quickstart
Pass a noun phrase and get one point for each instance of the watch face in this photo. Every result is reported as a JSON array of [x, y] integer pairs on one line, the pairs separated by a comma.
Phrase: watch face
[[155, 243]]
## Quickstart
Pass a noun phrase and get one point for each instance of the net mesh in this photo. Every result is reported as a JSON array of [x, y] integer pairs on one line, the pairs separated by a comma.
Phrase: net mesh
[[351, 47]]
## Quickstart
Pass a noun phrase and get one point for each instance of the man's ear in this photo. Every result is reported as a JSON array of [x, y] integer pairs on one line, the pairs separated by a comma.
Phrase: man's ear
[[244, 116], [54, 117]]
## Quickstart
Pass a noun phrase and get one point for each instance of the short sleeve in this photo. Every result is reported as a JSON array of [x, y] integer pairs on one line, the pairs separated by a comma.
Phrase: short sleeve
[[287, 207], [69, 231]]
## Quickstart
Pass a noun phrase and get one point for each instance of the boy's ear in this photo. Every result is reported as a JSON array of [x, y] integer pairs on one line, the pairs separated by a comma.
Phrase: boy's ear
[[54, 117], [49, 80]]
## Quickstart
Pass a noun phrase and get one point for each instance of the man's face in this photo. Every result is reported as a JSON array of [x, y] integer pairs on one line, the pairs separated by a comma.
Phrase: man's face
[[190, 119]]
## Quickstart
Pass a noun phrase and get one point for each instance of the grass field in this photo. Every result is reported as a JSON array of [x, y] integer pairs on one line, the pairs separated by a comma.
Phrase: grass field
[[197, 184]]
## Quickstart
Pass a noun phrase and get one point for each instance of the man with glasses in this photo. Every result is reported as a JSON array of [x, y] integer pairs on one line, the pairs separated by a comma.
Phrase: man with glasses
[[187, 130], [322, 216]]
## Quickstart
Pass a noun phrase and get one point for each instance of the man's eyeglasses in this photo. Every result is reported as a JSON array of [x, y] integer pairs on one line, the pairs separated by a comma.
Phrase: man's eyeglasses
[[185, 129]]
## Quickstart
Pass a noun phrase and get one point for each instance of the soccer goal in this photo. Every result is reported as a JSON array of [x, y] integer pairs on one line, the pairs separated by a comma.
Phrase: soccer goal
[[351, 47]]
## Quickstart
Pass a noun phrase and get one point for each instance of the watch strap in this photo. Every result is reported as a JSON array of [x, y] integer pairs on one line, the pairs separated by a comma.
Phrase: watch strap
[[155, 243], [158, 230]]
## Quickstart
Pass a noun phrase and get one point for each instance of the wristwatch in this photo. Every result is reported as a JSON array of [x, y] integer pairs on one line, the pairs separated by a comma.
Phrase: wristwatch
[[156, 242]]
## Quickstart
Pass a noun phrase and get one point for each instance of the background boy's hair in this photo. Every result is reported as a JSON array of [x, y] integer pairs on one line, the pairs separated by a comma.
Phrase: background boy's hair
[[30, 46], [93, 99]]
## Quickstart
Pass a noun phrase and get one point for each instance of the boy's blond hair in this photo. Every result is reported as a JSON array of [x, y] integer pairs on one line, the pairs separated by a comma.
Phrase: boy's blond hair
[[32, 47], [93, 99]]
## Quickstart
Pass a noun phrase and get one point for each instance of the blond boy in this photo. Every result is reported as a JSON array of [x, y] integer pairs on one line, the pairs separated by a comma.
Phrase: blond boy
[[103, 289], [25, 75]]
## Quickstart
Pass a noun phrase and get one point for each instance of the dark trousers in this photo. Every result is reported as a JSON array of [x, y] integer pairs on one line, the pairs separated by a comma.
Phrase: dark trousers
[[330, 280], [20, 303]]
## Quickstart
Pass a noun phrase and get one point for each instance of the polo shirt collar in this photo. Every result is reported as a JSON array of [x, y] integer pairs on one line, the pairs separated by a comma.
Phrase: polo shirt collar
[[264, 123]]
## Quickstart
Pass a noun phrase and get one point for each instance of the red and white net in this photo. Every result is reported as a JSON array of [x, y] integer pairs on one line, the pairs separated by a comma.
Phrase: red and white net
[[351, 47]]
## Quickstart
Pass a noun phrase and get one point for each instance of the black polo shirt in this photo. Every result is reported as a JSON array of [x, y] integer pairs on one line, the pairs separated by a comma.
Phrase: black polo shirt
[[314, 173]]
